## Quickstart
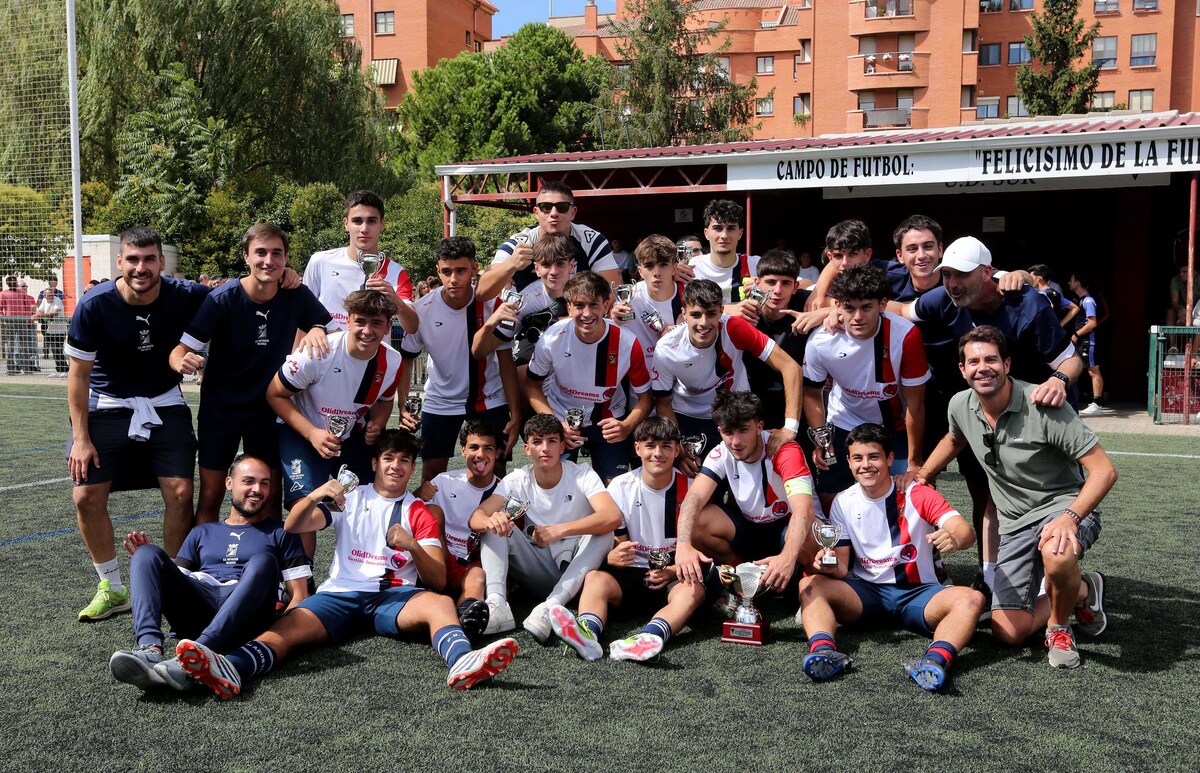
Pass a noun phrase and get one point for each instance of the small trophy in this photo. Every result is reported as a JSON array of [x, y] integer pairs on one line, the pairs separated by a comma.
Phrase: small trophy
[[693, 445], [827, 536], [624, 294], [822, 437], [509, 295], [748, 626], [370, 263], [653, 320], [756, 295], [659, 558], [349, 482], [574, 418], [412, 405], [683, 253], [339, 427], [516, 509]]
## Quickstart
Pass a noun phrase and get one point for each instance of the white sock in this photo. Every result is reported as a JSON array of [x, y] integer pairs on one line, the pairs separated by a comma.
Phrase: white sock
[[110, 571], [989, 574]]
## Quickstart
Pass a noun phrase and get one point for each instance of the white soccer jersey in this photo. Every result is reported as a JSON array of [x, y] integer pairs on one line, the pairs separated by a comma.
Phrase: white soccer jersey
[[332, 275], [593, 252], [568, 501], [340, 385], [596, 377], [693, 376], [887, 534], [455, 381], [362, 561], [648, 516], [458, 499], [760, 488], [867, 375], [668, 310], [729, 279]]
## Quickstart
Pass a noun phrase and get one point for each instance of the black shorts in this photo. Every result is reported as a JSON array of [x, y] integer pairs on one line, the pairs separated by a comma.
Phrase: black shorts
[[635, 596], [440, 433], [752, 540], [170, 452], [219, 442]]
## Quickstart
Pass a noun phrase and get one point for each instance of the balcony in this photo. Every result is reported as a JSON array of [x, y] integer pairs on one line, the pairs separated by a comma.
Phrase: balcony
[[880, 17], [898, 117], [878, 9], [892, 70]]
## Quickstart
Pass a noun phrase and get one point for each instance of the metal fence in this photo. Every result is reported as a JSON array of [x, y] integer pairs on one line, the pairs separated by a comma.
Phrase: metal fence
[[1173, 378]]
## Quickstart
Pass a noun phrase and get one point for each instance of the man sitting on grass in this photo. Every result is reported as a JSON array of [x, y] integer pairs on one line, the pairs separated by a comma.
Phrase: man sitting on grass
[[649, 501], [386, 542], [885, 572]]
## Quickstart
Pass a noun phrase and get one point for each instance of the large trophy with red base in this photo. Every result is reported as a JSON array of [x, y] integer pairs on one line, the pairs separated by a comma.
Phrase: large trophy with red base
[[747, 626]]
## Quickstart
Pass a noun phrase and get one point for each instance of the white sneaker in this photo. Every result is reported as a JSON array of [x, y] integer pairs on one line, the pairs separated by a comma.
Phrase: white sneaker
[[1093, 409], [500, 616], [482, 664], [639, 647], [577, 636], [538, 622]]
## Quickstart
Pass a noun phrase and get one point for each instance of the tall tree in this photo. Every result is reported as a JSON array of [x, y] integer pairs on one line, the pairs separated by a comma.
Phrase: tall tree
[[1055, 81], [671, 87]]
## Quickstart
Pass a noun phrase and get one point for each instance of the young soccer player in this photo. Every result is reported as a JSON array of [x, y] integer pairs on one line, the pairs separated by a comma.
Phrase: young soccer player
[[781, 310], [657, 295]]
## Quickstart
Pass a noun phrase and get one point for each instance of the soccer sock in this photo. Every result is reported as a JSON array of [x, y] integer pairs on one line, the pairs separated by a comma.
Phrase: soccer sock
[[451, 643], [660, 628], [111, 572], [593, 623], [253, 659], [821, 641], [943, 652], [989, 573]]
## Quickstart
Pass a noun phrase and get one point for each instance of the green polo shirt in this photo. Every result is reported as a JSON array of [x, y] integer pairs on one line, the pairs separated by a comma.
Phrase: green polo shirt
[[1035, 471]]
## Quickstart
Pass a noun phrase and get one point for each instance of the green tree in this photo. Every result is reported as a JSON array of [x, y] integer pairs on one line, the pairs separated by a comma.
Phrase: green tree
[[1055, 81], [29, 246], [671, 87]]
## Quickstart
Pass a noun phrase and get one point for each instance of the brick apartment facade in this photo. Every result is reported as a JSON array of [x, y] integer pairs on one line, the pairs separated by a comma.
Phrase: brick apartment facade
[[399, 37], [849, 65]]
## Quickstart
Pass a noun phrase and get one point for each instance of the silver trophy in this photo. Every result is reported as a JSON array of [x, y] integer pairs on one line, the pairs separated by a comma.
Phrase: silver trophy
[[748, 625], [339, 427], [515, 509], [412, 405], [653, 320], [349, 482], [822, 437], [827, 536], [574, 418], [624, 294], [683, 253], [756, 295], [370, 262], [508, 327], [659, 558], [694, 445]]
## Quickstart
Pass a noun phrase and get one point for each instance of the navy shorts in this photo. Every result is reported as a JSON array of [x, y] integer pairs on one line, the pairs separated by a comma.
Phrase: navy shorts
[[891, 605], [170, 452], [344, 614], [305, 470], [219, 441], [440, 433], [608, 459], [751, 540], [838, 477]]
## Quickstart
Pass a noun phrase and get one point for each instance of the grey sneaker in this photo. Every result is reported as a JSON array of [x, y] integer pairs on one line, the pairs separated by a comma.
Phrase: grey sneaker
[[1061, 643], [538, 622], [172, 673], [136, 666], [1089, 616]]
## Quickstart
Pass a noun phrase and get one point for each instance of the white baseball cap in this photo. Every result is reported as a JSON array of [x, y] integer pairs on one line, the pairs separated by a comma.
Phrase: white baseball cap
[[965, 254]]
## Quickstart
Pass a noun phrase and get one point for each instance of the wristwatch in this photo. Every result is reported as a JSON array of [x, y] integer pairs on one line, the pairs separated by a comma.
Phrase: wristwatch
[[1058, 374]]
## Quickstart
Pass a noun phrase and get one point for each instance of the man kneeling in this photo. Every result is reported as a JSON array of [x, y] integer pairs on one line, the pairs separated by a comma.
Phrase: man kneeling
[[891, 536], [386, 541]]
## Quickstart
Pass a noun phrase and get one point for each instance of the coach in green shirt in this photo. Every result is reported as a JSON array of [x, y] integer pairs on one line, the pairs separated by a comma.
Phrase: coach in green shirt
[[1046, 507]]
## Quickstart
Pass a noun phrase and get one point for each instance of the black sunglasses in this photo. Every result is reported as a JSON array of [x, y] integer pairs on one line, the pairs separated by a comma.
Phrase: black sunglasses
[[563, 207], [989, 440]]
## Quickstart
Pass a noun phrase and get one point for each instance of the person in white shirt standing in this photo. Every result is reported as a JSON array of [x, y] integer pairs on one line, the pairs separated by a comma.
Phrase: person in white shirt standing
[[657, 302]]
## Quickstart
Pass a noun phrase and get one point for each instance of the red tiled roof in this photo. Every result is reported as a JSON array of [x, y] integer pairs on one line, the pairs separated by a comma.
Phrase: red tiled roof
[[1106, 122]]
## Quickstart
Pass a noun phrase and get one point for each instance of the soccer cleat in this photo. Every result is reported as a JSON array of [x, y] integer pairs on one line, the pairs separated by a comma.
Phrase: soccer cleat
[[210, 669], [136, 666], [825, 664], [473, 616], [927, 672], [1089, 616], [481, 664], [538, 622], [500, 615], [105, 603], [172, 673], [578, 637], [640, 647], [1093, 409], [1061, 643]]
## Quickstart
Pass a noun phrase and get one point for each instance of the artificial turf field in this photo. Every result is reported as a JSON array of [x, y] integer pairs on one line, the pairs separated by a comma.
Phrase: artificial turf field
[[380, 704]]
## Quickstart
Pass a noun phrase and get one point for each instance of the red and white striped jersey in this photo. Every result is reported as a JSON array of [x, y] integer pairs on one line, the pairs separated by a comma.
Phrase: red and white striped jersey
[[340, 385], [887, 534], [693, 376], [332, 275], [362, 560], [867, 374], [601, 378], [458, 499], [641, 303], [760, 488], [648, 516]]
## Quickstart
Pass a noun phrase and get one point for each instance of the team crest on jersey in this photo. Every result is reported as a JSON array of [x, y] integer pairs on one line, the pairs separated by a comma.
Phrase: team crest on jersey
[[588, 235], [890, 390], [780, 508], [397, 561], [612, 359], [378, 377], [144, 343], [231, 553], [262, 336], [908, 552], [297, 470], [293, 367], [608, 393]]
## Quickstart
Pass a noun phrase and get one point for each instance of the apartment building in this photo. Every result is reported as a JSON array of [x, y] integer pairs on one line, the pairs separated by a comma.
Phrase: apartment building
[[399, 37], [830, 66]]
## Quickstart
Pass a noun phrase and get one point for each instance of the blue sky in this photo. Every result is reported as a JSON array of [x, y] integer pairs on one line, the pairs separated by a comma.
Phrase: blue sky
[[514, 13]]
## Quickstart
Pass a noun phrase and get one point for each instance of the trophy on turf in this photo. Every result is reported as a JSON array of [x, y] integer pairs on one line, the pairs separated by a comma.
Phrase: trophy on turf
[[822, 437], [624, 295], [747, 626], [573, 418], [349, 482], [339, 427], [693, 445], [756, 295], [370, 262], [827, 536], [653, 320], [508, 327]]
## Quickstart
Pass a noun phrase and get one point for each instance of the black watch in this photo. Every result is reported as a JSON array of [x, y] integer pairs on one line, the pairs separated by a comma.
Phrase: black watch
[[1058, 374]]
